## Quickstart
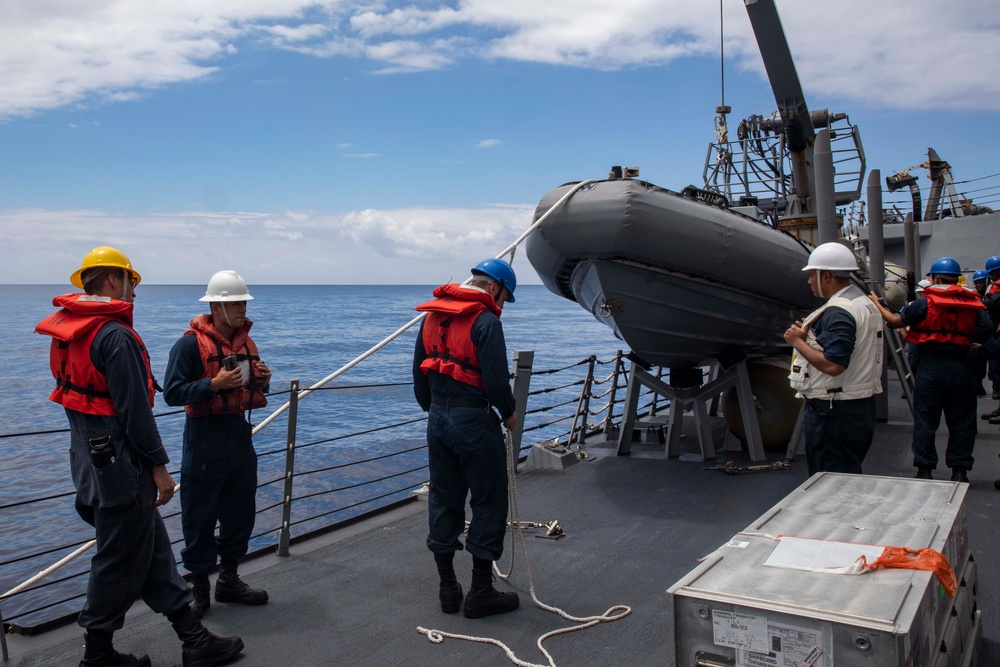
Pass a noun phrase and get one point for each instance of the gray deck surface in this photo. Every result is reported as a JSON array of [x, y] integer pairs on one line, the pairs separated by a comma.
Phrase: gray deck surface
[[634, 526]]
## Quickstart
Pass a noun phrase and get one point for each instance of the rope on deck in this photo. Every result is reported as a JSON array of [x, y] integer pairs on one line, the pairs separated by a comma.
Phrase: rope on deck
[[614, 613]]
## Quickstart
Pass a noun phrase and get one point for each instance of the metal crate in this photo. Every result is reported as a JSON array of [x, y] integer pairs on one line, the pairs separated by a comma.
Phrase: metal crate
[[733, 610]]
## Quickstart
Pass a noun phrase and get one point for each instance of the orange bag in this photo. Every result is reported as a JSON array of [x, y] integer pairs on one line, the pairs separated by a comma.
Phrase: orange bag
[[917, 559]]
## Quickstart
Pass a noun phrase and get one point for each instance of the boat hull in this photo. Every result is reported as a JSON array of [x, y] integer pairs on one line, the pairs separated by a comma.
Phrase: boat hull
[[677, 279]]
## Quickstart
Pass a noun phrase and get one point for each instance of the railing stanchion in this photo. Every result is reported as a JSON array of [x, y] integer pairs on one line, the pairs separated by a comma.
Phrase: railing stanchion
[[583, 407], [614, 391], [523, 362], [3, 639], [284, 534]]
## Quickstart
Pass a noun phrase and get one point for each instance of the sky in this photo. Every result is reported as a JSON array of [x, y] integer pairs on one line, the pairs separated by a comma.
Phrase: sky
[[352, 142]]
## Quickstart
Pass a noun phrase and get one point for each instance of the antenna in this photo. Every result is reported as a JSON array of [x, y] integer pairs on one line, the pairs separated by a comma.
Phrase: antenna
[[721, 127]]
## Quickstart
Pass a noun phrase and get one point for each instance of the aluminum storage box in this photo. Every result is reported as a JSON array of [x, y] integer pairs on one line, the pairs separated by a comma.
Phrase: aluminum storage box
[[734, 610]]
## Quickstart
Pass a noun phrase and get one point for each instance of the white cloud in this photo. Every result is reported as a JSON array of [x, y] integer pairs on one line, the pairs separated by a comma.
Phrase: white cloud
[[399, 246], [489, 143], [895, 53]]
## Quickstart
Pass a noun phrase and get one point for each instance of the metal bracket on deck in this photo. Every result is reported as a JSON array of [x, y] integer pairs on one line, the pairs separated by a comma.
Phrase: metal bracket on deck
[[3, 639], [693, 399]]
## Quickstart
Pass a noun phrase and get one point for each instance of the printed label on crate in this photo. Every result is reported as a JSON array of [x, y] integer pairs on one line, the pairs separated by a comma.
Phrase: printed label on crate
[[739, 631], [788, 646]]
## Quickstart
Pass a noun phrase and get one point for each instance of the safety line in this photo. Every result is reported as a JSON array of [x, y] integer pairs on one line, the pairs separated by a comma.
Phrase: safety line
[[271, 417], [438, 636]]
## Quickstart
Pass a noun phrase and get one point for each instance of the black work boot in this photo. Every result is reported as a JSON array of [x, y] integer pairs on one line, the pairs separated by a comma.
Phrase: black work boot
[[450, 592], [959, 475], [101, 652], [201, 589], [200, 648], [990, 415], [483, 599], [923, 472], [230, 588]]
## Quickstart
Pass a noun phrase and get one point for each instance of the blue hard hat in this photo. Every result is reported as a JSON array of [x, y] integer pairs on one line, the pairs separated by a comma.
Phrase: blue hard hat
[[981, 274], [993, 263], [945, 266], [500, 271]]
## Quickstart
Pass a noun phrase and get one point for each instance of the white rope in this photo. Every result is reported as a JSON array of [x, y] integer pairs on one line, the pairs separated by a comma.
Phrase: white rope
[[416, 320], [271, 417], [438, 636], [49, 570]]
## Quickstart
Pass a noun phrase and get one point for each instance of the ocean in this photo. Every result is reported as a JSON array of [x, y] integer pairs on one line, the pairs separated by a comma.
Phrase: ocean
[[304, 333]]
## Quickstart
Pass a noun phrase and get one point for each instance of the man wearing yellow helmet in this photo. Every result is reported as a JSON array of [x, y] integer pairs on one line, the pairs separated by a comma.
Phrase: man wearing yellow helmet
[[104, 382]]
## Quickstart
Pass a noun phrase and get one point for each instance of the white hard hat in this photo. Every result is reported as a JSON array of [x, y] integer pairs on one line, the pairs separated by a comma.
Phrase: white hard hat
[[226, 286], [832, 256], [922, 284]]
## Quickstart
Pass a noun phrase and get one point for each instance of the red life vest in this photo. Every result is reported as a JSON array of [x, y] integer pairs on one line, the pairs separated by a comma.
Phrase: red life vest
[[994, 288], [79, 385], [951, 316], [212, 347], [447, 334]]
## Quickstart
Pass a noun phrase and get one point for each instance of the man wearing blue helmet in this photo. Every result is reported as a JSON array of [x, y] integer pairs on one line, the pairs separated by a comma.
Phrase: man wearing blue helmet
[[943, 327], [461, 378], [981, 280], [992, 301]]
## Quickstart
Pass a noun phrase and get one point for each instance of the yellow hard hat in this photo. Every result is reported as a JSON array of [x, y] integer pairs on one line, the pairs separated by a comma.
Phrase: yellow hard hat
[[104, 256]]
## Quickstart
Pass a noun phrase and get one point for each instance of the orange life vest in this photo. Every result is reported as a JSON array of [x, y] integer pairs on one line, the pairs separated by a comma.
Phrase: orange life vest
[[951, 316], [212, 347], [447, 333], [994, 288], [79, 385]]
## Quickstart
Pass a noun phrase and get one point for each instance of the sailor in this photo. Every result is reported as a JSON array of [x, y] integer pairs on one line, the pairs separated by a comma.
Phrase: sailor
[[911, 350], [104, 382], [216, 373], [992, 301], [837, 364], [943, 327], [461, 378], [981, 281]]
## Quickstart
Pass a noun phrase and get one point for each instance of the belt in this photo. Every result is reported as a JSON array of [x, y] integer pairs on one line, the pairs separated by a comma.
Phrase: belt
[[460, 402]]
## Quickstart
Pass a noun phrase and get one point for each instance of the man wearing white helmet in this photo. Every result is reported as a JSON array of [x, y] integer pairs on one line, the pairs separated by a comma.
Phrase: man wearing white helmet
[[942, 328], [837, 364], [216, 373]]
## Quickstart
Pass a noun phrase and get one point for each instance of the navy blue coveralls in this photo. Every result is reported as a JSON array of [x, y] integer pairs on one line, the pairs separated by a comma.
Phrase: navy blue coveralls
[[466, 450], [218, 468], [133, 557], [944, 381], [993, 308], [838, 434]]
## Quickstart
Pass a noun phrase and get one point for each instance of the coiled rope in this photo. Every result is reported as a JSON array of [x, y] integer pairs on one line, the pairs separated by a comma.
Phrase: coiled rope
[[614, 613]]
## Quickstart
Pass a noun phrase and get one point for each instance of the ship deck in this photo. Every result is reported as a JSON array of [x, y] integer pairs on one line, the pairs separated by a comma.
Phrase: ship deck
[[634, 525]]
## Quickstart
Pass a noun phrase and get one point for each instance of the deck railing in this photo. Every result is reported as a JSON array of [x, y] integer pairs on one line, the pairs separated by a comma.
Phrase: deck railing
[[327, 473]]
